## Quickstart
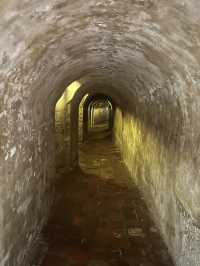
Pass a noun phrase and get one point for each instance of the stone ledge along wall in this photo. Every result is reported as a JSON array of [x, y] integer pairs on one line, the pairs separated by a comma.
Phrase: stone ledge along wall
[[147, 51]]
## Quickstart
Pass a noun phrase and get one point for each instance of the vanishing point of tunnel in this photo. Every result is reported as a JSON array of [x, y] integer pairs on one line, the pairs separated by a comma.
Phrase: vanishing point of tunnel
[[99, 133]]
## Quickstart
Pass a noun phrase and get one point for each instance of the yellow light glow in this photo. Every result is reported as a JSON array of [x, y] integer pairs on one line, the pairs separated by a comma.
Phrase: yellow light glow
[[72, 89], [67, 95], [60, 103]]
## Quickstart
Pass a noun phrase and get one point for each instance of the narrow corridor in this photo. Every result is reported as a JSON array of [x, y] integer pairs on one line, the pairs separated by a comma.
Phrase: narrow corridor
[[101, 218]]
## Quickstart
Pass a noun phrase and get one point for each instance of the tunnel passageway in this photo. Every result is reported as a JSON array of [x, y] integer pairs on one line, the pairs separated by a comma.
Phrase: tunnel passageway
[[101, 218], [57, 59], [100, 115]]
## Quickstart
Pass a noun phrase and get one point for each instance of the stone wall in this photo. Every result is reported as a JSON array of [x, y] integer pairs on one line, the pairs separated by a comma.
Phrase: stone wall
[[27, 170], [168, 180], [62, 131], [144, 51]]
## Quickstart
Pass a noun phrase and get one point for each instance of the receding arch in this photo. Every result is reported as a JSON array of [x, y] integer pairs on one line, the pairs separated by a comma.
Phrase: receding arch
[[146, 53], [87, 110], [74, 115]]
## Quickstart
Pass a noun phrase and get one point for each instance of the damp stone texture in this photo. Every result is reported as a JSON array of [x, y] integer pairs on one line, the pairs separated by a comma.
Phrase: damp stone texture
[[62, 132], [146, 51], [64, 126], [162, 173]]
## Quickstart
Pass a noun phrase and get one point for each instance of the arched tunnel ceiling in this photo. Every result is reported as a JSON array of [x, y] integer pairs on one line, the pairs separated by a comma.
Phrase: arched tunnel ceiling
[[146, 48], [146, 53], [95, 83]]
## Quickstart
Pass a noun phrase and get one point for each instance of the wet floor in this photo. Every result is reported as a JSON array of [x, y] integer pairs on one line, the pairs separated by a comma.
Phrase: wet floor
[[101, 219]]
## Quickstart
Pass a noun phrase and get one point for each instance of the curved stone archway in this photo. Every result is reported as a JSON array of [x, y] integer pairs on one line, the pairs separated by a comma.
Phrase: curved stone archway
[[100, 115], [87, 109], [146, 52], [75, 116]]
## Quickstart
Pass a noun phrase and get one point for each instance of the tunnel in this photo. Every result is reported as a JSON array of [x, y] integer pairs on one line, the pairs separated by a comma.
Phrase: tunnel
[[99, 117], [59, 61]]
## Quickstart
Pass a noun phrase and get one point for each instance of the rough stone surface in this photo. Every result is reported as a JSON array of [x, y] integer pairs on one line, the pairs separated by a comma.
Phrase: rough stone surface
[[147, 51], [63, 131], [112, 227], [158, 170]]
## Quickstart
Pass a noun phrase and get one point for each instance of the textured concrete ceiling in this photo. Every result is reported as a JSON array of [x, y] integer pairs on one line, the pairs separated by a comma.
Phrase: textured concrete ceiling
[[146, 49], [141, 45]]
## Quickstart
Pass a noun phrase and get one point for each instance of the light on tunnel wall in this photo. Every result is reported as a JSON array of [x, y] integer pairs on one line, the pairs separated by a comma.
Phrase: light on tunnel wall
[[60, 103], [67, 95], [72, 89]]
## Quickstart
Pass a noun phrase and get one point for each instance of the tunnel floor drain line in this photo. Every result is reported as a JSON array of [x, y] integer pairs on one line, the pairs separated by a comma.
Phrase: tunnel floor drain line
[[102, 221]]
